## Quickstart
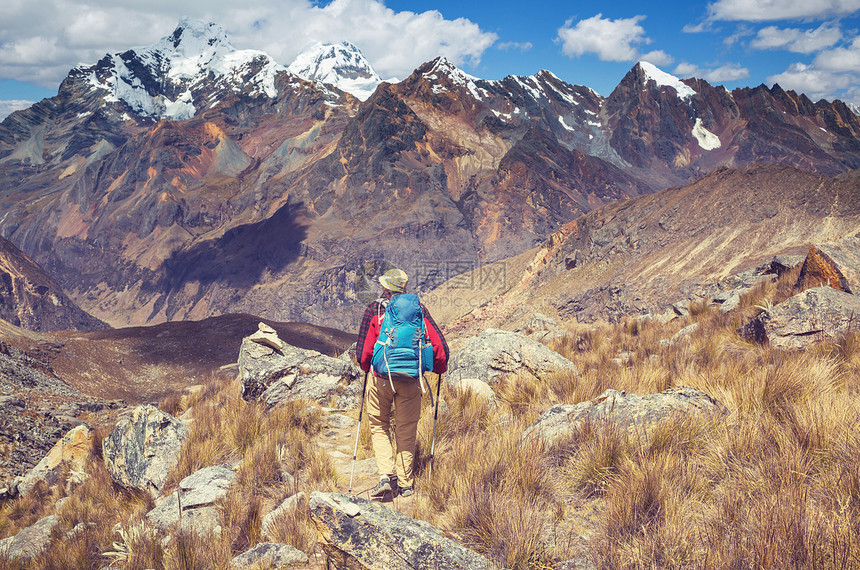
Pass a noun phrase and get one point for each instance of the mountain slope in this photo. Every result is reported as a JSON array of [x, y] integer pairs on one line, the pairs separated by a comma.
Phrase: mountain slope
[[270, 201], [637, 256], [30, 299]]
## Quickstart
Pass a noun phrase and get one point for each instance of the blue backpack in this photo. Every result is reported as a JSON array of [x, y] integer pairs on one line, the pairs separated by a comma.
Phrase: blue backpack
[[402, 349]]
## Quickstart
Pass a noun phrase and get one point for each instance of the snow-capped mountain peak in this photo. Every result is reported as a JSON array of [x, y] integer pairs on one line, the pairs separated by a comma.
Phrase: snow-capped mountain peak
[[159, 80], [441, 68], [661, 78], [342, 65]]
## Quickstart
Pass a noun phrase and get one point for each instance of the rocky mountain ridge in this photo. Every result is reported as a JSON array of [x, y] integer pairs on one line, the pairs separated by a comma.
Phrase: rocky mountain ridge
[[30, 299], [641, 256], [270, 201]]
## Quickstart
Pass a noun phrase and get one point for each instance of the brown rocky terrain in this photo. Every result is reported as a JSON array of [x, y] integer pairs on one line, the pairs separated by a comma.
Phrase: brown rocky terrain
[[29, 298], [639, 256], [53, 381]]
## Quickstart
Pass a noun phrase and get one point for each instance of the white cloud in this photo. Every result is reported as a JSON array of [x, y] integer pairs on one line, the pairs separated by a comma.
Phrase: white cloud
[[767, 10], [697, 28], [720, 74], [816, 83], [798, 41], [7, 107], [610, 40], [840, 59], [518, 46], [741, 32], [657, 57], [42, 41]]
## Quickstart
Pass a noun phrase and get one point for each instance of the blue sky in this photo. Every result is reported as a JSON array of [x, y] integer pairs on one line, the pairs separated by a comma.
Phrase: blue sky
[[809, 46]]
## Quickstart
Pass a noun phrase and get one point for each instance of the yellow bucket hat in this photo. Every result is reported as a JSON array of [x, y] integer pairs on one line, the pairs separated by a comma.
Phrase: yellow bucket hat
[[394, 280]]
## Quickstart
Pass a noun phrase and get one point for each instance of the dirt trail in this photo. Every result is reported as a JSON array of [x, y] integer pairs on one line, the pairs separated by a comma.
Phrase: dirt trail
[[338, 439]]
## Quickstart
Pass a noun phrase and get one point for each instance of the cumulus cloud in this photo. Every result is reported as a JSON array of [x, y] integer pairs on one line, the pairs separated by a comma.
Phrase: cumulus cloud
[[610, 40], [41, 43], [840, 59], [798, 41], [768, 10], [816, 83], [8, 107], [719, 74]]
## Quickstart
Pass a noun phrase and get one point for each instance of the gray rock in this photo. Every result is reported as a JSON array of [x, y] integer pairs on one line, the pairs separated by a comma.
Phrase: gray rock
[[681, 308], [275, 375], [379, 538], [11, 403], [542, 329], [495, 353], [71, 452], [819, 314], [626, 410], [731, 303], [143, 447], [339, 421], [270, 554], [289, 504], [31, 541], [478, 388], [835, 264], [782, 263], [685, 332], [197, 494]]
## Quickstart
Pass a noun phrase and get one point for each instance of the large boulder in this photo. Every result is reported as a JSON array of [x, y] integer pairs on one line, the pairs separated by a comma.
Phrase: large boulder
[[143, 448], [834, 264], [494, 353], [71, 452], [273, 371], [31, 541], [542, 328], [818, 314], [360, 534], [195, 499], [626, 410], [270, 555], [289, 505]]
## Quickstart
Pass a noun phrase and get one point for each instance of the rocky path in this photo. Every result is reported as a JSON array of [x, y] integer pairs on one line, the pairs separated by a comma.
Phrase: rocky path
[[338, 439]]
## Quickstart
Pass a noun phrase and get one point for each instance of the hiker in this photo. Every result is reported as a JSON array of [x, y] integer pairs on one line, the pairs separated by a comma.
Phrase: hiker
[[387, 385]]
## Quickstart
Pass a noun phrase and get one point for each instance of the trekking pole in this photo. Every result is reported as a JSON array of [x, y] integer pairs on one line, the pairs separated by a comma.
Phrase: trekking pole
[[435, 416], [357, 432]]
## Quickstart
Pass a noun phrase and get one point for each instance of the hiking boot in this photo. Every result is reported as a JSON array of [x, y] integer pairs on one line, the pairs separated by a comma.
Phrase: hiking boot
[[383, 487], [404, 491]]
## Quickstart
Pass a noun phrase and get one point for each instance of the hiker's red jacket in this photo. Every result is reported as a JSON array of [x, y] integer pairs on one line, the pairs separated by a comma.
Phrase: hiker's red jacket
[[368, 334]]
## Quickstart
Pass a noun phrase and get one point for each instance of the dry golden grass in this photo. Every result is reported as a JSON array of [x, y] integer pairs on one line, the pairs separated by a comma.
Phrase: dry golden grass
[[773, 483], [263, 445]]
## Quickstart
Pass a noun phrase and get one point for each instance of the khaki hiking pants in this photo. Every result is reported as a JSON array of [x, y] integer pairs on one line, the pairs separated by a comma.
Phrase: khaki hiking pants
[[407, 412]]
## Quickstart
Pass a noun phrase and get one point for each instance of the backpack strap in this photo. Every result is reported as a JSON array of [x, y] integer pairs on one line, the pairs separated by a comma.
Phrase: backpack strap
[[381, 308]]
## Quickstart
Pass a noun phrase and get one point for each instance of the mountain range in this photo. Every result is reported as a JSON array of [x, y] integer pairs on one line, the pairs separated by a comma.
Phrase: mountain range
[[189, 179]]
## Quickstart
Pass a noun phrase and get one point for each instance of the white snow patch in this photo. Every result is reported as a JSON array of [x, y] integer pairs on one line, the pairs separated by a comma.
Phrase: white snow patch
[[182, 108], [662, 78], [823, 129], [85, 114], [593, 123], [526, 83], [706, 139], [457, 77], [565, 125]]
